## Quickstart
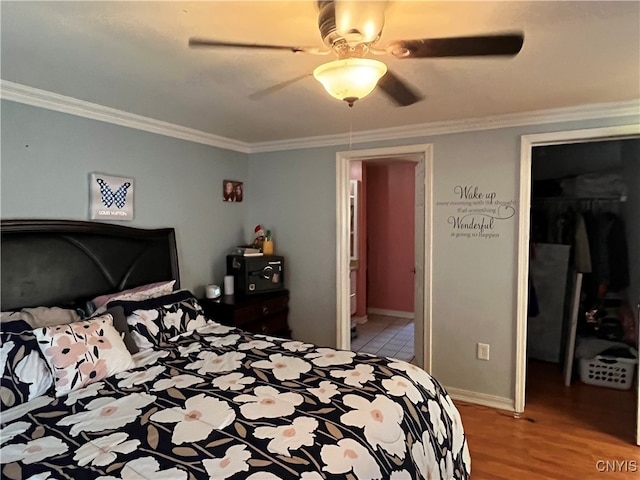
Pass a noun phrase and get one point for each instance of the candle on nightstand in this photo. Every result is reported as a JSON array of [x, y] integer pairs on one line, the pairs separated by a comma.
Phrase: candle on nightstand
[[228, 284]]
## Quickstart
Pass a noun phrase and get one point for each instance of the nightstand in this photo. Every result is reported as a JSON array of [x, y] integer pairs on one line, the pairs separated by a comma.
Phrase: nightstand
[[264, 313]]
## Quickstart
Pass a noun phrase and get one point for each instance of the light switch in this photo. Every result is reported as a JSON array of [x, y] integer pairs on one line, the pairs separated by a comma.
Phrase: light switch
[[483, 351]]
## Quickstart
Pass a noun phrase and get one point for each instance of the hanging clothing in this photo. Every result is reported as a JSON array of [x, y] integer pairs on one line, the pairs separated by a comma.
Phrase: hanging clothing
[[618, 255], [597, 236], [609, 254]]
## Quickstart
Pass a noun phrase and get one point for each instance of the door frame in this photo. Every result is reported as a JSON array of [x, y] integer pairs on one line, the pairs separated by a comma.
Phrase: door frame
[[526, 147], [343, 316]]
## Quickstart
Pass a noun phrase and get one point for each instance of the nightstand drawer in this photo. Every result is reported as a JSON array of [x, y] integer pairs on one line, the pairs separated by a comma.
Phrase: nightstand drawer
[[273, 325], [263, 313], [255, 311]]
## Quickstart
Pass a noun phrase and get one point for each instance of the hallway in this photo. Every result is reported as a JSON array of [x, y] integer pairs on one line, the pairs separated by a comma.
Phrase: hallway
[[386, 336]]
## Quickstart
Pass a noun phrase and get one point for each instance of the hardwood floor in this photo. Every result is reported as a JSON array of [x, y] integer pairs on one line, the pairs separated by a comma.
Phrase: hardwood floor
[[580, 432]]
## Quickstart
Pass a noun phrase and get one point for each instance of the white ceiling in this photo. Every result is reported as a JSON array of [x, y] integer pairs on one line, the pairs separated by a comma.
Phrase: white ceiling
[[133, 56]]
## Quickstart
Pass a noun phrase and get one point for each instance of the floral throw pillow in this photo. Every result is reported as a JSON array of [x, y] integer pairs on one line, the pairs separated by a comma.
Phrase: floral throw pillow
[[25, 374], [83, 352]]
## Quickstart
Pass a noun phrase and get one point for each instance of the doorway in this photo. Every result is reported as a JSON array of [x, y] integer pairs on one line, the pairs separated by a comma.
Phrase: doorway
[[421, 154], [383, 263], [529, 144]]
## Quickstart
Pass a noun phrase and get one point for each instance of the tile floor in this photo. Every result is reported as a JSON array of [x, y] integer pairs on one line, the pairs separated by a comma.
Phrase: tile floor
[[385, 336]]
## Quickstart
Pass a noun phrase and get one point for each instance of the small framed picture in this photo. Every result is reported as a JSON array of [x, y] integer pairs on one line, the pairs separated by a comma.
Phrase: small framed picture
[[111, 198], [232, 191]]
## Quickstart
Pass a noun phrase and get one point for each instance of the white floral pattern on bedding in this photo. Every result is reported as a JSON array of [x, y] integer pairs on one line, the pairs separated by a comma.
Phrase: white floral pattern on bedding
[[23, 371], [224, 404]]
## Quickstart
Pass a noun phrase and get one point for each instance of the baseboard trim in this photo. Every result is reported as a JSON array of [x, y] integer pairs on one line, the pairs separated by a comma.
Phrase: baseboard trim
[[391, 313], [360, 320], [484, 399]]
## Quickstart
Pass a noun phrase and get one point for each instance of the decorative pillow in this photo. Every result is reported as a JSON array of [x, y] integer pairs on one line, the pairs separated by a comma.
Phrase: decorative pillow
[[142, 292], [129, 306], [25, 374], [83, 352], [46, 316], [155, 321], [38, 317], [11, 316]]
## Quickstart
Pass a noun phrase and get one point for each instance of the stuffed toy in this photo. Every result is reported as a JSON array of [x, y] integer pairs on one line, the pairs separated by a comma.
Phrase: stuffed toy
[[259, 236]]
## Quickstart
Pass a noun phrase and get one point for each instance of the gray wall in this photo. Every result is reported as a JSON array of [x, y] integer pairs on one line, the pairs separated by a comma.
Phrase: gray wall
[[47, 157], [293, 194], [474, 279]]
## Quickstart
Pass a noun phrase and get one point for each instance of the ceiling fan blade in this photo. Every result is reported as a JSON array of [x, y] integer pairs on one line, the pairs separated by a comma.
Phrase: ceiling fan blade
[[203, 42], [508, 45], [278, 86], [398, 90]]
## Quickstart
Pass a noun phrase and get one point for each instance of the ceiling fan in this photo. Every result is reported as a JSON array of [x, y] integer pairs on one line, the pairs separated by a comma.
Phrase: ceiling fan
[[351, 30]]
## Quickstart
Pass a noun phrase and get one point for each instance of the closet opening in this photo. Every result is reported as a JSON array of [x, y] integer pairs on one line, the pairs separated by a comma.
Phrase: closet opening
[[584, 283]]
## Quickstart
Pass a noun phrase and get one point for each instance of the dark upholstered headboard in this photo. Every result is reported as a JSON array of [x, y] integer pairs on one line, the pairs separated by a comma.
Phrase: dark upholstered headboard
[[60, 262]]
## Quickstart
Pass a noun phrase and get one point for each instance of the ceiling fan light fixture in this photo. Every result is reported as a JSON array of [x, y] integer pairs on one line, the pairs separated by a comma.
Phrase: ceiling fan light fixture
[[358, 21], [350, 79]]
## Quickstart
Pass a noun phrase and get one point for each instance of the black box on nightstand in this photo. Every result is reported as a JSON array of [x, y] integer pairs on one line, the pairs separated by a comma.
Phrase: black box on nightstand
[[253, 275]]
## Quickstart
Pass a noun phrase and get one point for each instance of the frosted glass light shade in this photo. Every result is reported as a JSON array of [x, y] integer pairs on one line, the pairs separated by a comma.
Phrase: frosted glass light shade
[[358, 21], [350, 79]]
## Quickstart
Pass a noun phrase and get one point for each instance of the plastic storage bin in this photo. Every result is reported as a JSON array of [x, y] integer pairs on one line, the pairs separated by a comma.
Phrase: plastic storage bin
[[603, 371]]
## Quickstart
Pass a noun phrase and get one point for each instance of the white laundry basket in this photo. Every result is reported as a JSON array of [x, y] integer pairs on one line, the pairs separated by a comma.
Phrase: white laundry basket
[[605, 371]]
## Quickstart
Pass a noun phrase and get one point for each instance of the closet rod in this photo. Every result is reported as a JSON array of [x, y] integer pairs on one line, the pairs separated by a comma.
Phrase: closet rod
[[622, 198], [583, 203]]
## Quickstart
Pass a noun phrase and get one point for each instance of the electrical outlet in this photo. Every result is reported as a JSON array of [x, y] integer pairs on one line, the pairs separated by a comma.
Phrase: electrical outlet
[[483, 351]]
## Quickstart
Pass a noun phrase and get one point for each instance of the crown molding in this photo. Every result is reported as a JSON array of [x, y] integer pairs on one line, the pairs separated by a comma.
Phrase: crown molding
[[16, 92], [36, 97], [539, 117]]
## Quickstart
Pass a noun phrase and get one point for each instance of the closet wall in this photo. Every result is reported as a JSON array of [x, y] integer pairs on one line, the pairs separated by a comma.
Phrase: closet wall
[[551, 231]]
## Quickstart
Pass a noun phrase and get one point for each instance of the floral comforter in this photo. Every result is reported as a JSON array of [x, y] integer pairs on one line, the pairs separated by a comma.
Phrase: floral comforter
[[224, 404]]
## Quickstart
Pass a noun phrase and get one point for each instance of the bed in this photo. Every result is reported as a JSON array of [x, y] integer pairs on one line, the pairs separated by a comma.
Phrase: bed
[[183, 397]]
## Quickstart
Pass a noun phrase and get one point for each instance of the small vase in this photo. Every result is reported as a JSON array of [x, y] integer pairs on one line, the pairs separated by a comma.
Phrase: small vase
[[267, 247]]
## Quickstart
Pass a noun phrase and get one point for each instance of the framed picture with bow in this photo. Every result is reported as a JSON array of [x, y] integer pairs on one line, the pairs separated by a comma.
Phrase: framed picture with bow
[[111, 198]]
